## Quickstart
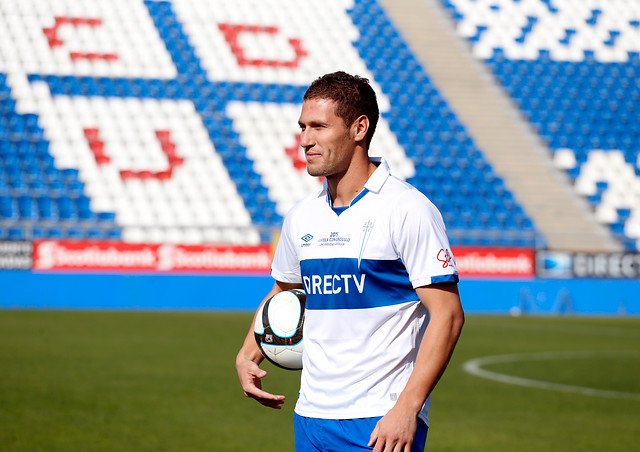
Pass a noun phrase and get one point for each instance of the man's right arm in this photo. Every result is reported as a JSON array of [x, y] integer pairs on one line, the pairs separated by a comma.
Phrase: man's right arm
[[249, 357]]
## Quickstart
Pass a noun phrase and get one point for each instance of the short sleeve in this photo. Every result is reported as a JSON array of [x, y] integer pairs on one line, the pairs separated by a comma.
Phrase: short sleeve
[[286, 264], [419, 237]]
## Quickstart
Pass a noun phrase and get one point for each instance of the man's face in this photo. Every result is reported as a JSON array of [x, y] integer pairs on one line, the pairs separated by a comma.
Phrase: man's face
[[327, 141]]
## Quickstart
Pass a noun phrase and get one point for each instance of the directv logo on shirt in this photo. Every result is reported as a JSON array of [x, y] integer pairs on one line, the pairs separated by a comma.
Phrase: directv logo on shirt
[[346, 283], [333, 284]]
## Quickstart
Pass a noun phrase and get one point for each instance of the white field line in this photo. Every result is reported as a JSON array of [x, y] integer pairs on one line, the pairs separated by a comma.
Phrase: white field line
[[475, 367]]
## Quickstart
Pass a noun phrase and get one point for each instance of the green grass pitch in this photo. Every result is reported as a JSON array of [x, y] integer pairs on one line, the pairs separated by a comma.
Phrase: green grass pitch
[[149, 381]]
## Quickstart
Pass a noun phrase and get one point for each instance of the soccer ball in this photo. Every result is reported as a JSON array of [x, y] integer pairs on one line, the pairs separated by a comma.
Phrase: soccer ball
[[278, 328]]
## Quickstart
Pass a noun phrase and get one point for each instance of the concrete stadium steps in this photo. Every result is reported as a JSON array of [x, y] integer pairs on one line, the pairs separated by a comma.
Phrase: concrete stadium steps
[[498, 128]]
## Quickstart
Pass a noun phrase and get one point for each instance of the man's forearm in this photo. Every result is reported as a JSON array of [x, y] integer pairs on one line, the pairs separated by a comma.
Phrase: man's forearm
[[437, 345], [434, 354]]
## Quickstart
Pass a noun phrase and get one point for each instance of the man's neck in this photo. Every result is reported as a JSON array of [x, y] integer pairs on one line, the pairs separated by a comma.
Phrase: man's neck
[[343, 188]]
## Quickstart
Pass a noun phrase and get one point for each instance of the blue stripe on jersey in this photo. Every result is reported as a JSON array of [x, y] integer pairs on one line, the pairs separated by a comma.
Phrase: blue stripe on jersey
[[340, 284], [444, 278]]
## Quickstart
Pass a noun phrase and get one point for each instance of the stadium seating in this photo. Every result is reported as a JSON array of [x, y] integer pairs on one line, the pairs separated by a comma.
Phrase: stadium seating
[[572, 68], [163, 121]]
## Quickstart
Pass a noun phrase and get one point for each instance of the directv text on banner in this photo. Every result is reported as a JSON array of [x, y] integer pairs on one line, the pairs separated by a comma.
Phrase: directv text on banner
[[606, 265], [588, 265]]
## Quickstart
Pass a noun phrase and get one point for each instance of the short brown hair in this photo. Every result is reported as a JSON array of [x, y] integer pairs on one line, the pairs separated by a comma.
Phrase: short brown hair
[[352, 94]]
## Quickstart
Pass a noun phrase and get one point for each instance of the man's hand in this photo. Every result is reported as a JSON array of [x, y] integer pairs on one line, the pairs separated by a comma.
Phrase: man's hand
[[251, 376], [394, 432], [249, 358]]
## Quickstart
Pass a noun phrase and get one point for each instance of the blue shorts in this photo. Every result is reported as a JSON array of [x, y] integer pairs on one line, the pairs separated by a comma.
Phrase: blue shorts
[[339, 435]]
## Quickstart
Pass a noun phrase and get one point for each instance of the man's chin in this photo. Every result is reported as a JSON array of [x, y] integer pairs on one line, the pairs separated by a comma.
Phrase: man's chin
[[315, 172]]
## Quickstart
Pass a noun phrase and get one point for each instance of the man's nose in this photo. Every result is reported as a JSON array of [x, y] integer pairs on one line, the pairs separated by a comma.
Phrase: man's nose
[[305, 139]]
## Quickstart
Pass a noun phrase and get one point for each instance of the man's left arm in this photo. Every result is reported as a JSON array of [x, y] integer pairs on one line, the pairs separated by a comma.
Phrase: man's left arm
[[395, 431]]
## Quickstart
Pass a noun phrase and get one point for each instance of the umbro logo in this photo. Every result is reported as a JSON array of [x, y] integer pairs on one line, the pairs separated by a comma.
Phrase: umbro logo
[[307, 237]]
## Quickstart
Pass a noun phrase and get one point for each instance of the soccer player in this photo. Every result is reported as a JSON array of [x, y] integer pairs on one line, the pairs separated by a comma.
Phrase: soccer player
[[383, 313]]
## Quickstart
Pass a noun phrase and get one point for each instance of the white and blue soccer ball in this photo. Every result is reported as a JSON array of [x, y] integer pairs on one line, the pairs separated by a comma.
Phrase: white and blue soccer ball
[[278, 328]]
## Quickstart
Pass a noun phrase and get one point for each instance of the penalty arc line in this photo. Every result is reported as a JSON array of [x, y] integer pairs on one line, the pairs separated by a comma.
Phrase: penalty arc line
[[475, 367]]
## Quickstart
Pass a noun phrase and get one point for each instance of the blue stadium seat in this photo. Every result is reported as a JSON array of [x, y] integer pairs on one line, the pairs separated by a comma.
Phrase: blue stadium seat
[[38, 232], [16, 233], [54, 232]]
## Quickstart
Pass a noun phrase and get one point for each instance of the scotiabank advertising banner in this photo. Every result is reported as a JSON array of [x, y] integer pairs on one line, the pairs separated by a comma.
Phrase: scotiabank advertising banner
[[91, 256], [61, 255], [495, 262]]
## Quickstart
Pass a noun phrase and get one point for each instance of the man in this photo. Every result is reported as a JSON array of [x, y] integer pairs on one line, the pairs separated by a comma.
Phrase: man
[[383, 312]]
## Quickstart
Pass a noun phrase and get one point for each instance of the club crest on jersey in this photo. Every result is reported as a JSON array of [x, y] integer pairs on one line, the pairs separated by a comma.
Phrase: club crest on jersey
[[366, 232]]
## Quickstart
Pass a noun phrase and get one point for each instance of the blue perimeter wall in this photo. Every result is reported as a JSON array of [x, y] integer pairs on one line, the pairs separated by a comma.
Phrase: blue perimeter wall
[[28, 290]]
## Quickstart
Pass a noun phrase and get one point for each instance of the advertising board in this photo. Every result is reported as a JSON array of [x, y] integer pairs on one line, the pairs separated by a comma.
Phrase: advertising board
[[79, 256]]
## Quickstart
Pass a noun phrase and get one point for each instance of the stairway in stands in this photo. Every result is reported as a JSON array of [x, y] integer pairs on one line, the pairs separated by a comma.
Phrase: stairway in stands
[[514, 149]]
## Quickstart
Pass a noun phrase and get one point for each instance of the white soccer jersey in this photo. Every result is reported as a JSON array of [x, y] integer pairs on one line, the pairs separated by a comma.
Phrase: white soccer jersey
[[360, 267]]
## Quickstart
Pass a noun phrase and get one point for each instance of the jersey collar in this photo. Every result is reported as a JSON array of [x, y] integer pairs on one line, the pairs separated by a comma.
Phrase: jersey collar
[[374, 183], [380, 175]]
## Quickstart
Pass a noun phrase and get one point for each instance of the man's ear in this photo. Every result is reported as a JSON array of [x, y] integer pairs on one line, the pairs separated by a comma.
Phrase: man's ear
[[360, 128]]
